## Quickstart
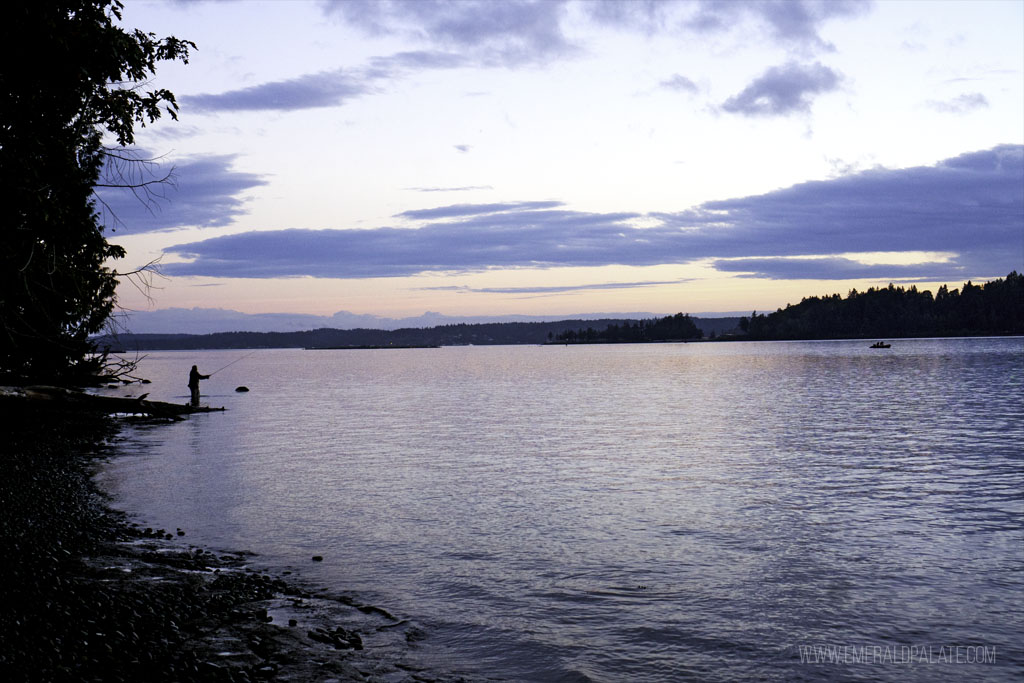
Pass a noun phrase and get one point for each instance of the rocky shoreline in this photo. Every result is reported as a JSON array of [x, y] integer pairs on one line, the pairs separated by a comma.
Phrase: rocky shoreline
[[89, 596]]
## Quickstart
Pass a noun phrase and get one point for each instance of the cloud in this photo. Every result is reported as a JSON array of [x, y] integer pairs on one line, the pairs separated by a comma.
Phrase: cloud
[[960, 104], [331, 88], [679, 83], [507, 239], [514, 33], [464, 188], [970, 206], [507, 33], [462, 148], [557, 289], [324, 89], [837, 268], [783, 90], [792, 22], [385, 67], [179, 131], [200, 192], [648, 16], [799, 22], [461, 210]]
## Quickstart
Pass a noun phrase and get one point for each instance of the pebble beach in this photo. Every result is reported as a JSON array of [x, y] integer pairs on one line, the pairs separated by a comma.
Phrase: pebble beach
[[90, 596]]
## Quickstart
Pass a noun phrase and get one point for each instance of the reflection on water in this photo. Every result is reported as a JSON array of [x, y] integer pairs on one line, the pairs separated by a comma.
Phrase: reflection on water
[[635, 512]]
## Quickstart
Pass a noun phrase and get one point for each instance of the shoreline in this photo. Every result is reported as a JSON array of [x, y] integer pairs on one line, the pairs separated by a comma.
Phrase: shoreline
[[90, 596]]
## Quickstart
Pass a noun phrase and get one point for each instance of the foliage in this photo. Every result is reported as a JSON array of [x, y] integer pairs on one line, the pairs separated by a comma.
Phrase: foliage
[[676, 327], [69, 76], [996, 307]]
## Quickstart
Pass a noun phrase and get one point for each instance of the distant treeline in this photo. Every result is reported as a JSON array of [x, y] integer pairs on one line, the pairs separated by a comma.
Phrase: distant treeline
[[443, 335], [996, 307], [678, 327]]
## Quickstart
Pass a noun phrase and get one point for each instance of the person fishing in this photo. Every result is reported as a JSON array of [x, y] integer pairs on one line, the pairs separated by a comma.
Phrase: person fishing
[[193, 383]]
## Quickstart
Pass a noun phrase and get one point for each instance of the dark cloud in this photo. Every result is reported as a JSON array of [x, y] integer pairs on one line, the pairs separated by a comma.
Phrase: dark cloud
[[960, 104], [971, 206], [679, 83], [198, 192], [507, 33], [783, 90], [324, 89], [510, 239]]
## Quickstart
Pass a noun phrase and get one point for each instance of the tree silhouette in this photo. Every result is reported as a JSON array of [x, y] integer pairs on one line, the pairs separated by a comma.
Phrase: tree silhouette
[[70, 76], [996, 307], [678, 327]]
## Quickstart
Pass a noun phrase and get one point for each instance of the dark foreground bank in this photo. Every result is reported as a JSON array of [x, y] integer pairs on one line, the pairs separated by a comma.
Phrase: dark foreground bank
[[88, 596]]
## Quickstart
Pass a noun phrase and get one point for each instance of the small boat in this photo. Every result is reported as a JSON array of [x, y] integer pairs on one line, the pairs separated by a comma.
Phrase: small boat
[[880, 345]]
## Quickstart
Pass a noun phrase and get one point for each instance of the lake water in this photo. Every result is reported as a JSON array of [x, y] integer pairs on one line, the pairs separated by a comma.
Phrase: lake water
[[772, 511]]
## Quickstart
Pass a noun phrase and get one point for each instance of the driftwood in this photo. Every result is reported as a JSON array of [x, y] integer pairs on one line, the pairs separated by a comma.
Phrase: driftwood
[[59, 398]]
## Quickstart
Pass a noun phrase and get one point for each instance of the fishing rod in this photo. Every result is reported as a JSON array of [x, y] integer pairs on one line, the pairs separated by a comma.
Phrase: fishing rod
[[232, 363]]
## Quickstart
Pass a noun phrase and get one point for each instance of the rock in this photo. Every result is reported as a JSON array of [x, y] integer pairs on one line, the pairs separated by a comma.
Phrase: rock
[[340, 638], [318, 558], [241, 389], [81, 604]]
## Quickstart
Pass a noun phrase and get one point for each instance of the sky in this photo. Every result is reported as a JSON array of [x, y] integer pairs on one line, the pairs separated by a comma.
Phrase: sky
[[392, 157]]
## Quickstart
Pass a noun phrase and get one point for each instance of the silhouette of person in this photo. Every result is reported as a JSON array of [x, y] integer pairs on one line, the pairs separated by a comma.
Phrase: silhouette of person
[[193, 383]]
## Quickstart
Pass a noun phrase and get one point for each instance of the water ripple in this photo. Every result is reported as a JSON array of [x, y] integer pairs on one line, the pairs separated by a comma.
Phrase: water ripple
[[644, 513]]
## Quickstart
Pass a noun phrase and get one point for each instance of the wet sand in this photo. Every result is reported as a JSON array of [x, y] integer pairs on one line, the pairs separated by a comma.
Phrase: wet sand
[[88, 596]]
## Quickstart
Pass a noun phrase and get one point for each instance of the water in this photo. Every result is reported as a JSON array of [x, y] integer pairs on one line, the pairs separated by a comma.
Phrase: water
[[632, 512]]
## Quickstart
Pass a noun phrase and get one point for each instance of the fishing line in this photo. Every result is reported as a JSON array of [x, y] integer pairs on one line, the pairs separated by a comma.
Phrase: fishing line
[[232, 363]]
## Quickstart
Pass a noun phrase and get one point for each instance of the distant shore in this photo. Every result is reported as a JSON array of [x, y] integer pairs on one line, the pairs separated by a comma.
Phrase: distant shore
[[89, 596]]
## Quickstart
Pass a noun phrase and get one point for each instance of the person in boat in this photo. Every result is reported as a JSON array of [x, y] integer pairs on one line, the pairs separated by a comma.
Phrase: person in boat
[[193, 384]]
